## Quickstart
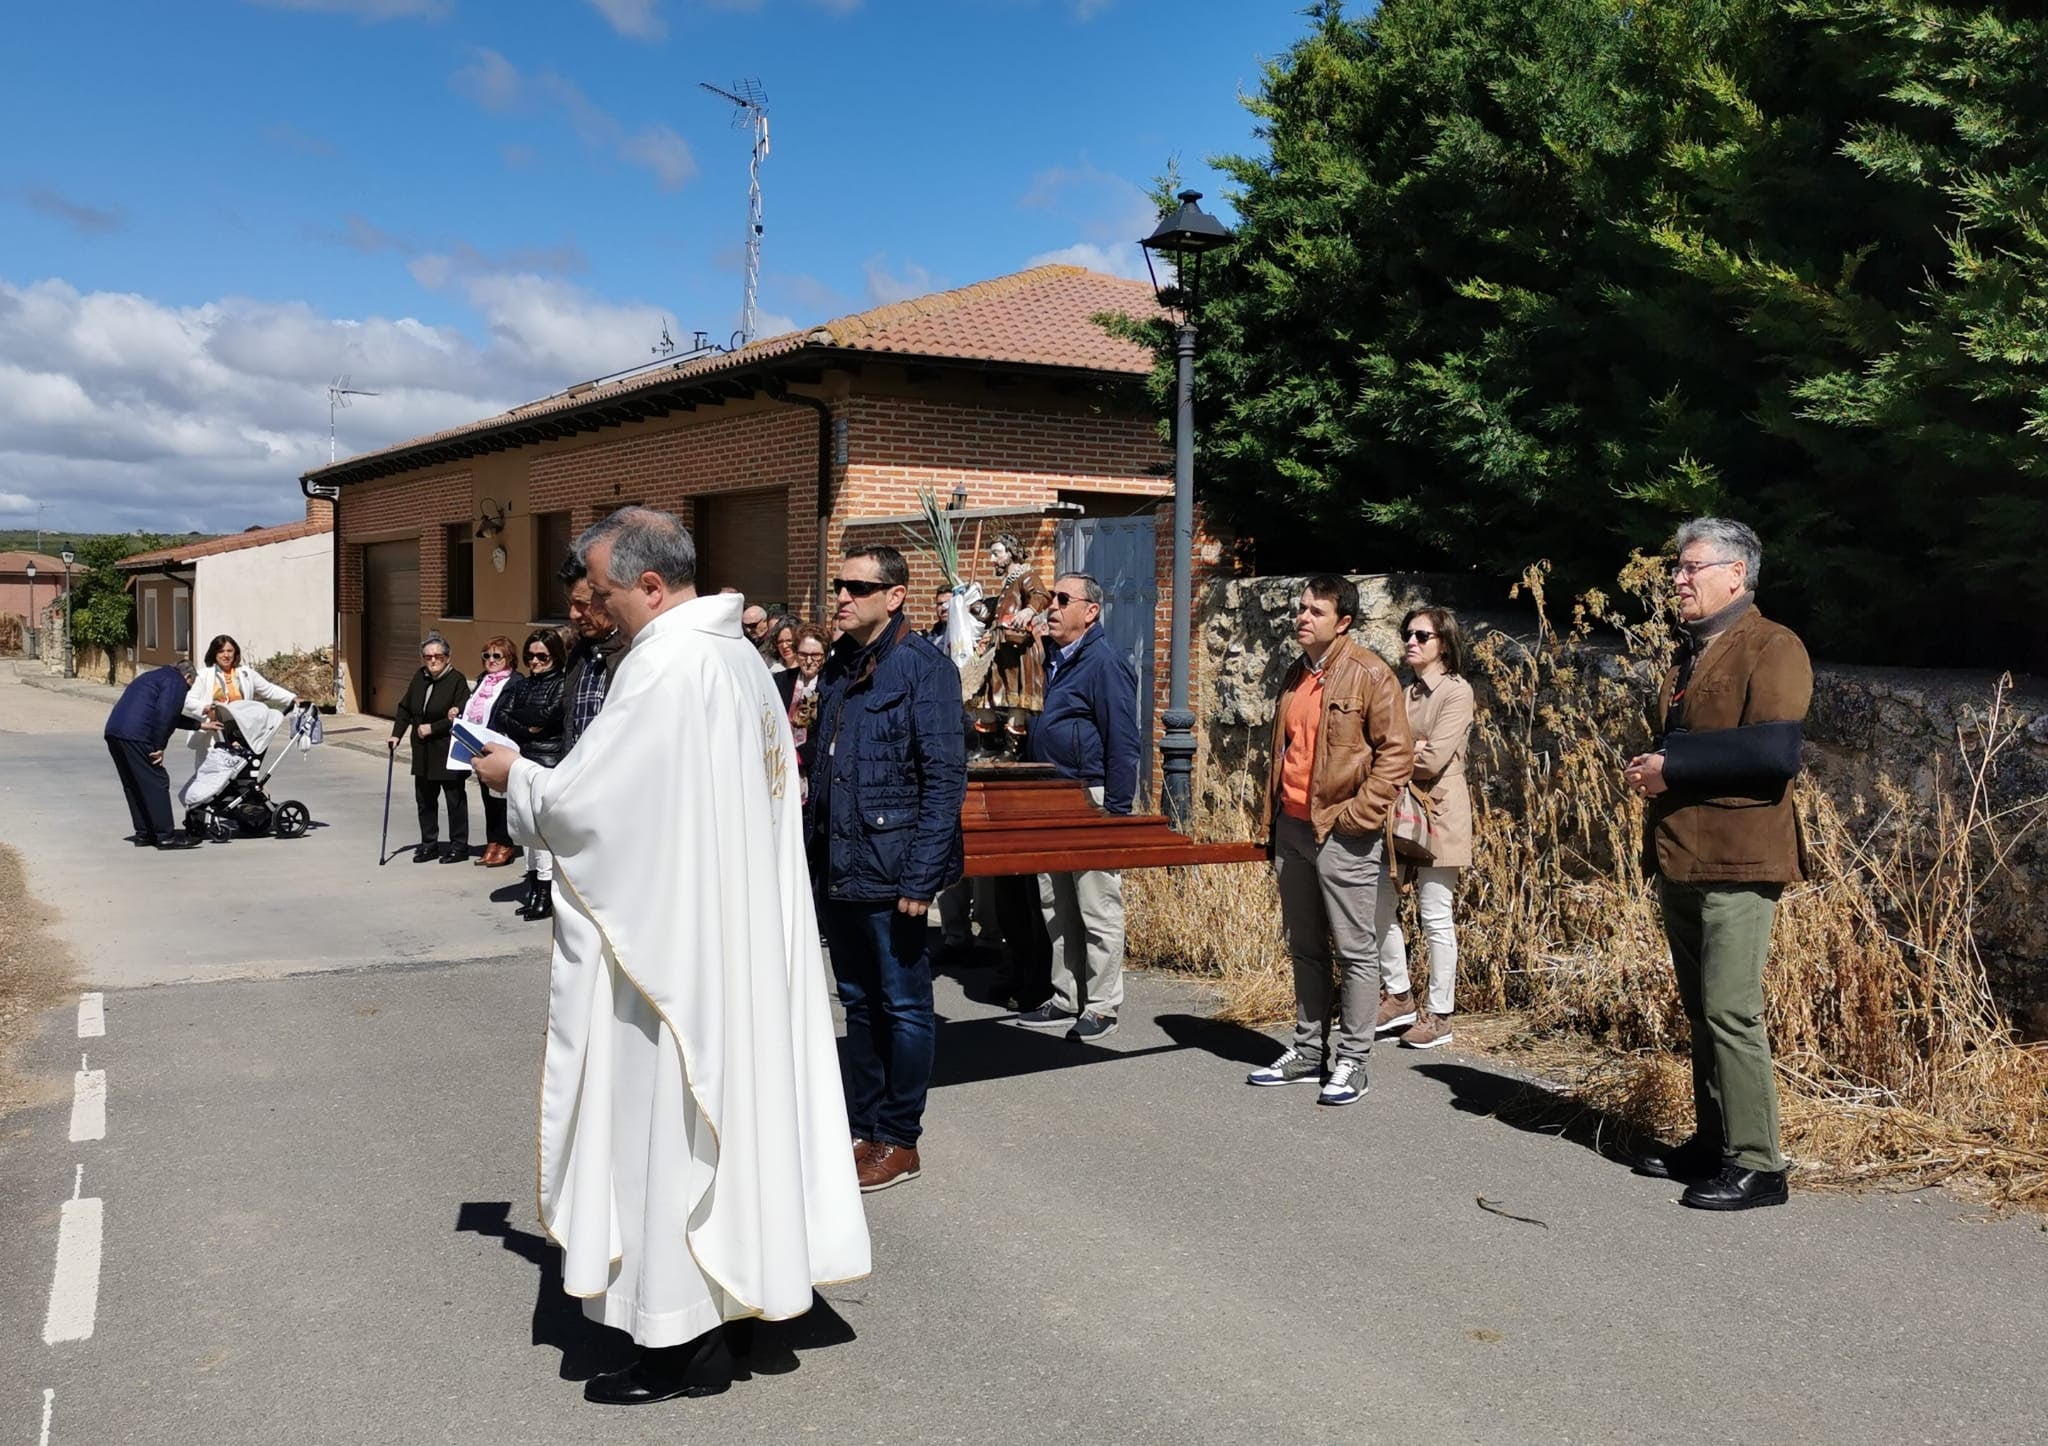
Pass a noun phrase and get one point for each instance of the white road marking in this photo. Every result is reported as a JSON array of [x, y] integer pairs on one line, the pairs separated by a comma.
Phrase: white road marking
[[78, 1183], [75, 1289], [88, 1104], [49, 1400], [92, 1016]]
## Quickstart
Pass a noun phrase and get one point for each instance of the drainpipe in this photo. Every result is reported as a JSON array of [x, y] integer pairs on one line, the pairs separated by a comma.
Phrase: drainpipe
[[326, 493], [777, 390]]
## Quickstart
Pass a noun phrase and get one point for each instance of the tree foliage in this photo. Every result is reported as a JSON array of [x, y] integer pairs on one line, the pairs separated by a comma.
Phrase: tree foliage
[[102, 610], [1521, 278]]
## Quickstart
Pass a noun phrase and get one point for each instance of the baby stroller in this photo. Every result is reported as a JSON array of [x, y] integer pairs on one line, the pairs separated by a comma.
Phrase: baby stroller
[[227, 795]]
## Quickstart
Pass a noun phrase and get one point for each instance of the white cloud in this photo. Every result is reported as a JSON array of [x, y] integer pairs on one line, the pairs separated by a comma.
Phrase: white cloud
[[885, 287], [490, 80], [1126, 259], [1108, 211], [662, 153], [122, 411], [495, 84], [637, 19], [372, 10]]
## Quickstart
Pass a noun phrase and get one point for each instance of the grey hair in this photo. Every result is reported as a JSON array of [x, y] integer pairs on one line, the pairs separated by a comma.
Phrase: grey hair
[[435, 640], [1090, 588], [642, 540], [1733, 542]]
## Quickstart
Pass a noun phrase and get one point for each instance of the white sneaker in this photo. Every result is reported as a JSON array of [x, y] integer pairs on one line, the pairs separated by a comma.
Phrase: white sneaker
[[1346, 1085]]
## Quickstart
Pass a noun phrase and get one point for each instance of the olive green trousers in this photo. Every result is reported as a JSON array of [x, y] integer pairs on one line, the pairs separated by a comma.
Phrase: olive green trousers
[[1720, 937]]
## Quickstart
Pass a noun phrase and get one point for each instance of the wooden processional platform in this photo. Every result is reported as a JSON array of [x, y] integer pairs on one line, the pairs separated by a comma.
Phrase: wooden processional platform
[[1022, 818]]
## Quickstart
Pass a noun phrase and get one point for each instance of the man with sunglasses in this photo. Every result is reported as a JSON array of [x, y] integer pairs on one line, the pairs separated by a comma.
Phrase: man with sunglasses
[[1722, 840], [888, 776], [1088, 730]]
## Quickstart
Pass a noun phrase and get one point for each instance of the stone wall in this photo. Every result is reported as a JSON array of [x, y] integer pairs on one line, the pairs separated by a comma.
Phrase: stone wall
[[1865, 723]]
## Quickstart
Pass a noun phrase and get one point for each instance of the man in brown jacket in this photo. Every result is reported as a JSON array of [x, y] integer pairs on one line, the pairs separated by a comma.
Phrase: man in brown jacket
[[1341, 754], [1722, 838]]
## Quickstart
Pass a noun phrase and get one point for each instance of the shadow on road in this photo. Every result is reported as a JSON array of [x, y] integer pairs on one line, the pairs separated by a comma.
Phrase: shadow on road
[[1234, 1042], [1531, 1107], [589, 1349], [969, 1051]]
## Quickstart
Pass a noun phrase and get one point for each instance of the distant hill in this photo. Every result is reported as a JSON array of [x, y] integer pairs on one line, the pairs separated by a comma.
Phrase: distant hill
[[20, 540]]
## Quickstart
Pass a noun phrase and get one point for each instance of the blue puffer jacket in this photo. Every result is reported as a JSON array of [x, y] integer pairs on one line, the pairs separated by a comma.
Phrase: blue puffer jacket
[[1089, 729], [889, 772]]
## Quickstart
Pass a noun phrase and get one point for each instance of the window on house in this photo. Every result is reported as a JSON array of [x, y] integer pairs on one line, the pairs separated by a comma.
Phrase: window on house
[[551, 540], [181, 622], [149, 620], [461, 602]]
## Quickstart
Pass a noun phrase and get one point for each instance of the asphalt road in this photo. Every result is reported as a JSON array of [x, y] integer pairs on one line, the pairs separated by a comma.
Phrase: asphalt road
[[316, 1188]]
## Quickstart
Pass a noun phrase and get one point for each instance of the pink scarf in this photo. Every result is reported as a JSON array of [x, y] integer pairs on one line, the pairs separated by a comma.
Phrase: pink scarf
[[479, 708]]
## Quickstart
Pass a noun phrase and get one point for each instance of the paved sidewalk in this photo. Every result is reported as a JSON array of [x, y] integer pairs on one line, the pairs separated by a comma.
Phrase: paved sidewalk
[[316, 1191]]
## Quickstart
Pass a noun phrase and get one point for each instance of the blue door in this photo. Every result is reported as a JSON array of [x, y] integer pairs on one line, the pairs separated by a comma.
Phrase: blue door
[[1120, 553]]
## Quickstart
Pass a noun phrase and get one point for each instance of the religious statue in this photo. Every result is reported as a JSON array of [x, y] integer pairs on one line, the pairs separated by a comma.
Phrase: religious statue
[[1016, 677]]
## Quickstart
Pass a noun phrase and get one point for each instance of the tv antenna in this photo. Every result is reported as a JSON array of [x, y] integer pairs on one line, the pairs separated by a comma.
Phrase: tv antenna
[[338, 393], [750, 112], [667, 345]]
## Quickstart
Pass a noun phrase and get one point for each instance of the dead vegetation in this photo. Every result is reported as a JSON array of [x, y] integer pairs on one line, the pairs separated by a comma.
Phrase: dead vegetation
[[35, 977], [308, 675], [1897, 1065]]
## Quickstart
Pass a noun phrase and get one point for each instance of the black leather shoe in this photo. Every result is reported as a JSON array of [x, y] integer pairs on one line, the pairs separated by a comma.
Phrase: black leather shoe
[[755, 1354], [426, 853], [1696, 1159], [178, 841], [454, 853], [703, 1367], [542, 904], [143, 840], [1737, 1189]]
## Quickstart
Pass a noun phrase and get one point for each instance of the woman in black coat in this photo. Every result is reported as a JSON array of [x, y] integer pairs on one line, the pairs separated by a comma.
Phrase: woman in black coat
[[423, 717], [530, 712]]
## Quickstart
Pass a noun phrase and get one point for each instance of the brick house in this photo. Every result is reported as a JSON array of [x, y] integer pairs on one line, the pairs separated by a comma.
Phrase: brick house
[[270, 588], [1004, 398]]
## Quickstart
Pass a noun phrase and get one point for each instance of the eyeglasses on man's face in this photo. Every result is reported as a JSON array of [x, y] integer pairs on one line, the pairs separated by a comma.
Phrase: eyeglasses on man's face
[[857, 586], [1068, 599], [1694, 569]]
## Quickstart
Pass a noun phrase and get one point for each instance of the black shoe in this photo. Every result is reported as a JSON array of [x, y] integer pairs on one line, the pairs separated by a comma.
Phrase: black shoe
[[754, 1354], [426, 853], [1737, 1189], [703, 1367], [1696, 1159], [454, 853], [143, 840], [1091, 1027], [526, 887], [542, 905], [179, 841]]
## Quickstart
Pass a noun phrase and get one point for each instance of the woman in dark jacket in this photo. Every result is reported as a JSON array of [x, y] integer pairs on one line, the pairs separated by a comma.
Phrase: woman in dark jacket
[[530, 713], [422, 718]]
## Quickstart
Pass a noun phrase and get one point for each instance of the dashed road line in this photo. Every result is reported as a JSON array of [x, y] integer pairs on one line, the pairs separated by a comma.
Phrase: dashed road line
[[92, 1016], [88, 1103], [49, 1404], [75, 1288]]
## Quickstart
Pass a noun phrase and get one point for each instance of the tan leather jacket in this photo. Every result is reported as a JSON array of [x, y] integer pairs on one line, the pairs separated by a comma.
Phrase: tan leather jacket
[[1364, 752]]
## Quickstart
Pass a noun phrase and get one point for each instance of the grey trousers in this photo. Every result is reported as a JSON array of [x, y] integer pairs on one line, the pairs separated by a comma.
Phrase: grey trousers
[[1329, 896], [1720, 938], [1084, 917]]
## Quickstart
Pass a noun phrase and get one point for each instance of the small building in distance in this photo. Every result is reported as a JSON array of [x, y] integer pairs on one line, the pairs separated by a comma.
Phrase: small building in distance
[[270, 588], [1007, 399]]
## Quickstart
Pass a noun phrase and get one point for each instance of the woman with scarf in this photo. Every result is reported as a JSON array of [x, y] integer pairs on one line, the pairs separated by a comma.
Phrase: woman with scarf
[[481, 709], [799, 688]]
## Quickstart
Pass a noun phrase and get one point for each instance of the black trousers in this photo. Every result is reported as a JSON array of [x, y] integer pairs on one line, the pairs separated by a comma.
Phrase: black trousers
[[495, 828], [456, 792], [147, 786], [1024, 936]]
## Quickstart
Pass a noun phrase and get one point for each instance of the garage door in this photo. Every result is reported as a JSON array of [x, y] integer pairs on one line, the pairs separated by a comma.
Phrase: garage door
[[743, 542], [391, 622]]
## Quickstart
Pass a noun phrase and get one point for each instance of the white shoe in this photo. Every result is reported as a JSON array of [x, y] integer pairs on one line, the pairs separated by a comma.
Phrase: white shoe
[[1346, 1084]]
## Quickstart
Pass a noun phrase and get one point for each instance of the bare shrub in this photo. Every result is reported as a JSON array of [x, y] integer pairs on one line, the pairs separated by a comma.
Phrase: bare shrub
[[308, 675]]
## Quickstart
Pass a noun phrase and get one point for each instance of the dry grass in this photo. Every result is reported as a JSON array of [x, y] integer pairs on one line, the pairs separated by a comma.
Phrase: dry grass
[[1896, 1064], [13, 635], [35, 976], [308, 675]]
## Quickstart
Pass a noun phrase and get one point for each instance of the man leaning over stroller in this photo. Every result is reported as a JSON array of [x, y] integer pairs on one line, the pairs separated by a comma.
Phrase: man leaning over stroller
[[138, 731]]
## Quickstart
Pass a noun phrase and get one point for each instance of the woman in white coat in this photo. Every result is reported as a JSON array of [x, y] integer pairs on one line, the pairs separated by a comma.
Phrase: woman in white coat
[[227, 679]]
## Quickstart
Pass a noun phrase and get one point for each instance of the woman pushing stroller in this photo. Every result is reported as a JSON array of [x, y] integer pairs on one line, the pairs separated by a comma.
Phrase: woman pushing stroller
[[226, 679]]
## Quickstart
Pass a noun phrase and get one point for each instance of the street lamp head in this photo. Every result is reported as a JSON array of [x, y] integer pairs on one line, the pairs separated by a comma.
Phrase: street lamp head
[[1187, 235], [67, 554], [31, 571]]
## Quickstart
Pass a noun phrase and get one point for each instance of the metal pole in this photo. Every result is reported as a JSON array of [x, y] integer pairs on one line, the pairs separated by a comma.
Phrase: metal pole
[[1177, 747], [70, 669]]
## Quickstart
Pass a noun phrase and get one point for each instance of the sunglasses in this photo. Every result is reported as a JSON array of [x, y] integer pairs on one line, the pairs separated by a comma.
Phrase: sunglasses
[[858, 586], [1068, 599], [538, 657], [1418, 636], [434, 657], [494, 655]]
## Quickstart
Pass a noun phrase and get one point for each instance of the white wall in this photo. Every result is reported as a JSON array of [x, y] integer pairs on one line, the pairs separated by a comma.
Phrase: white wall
[[278, 598]]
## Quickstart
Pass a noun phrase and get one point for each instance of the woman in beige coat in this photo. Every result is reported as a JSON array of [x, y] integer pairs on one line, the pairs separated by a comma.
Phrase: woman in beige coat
[[1440, 717]]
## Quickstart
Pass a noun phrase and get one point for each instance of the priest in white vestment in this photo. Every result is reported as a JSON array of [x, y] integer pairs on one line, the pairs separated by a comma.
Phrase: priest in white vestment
[[693, 1159]]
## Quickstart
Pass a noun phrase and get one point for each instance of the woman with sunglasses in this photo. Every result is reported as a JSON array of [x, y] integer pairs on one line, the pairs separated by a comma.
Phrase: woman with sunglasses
[[1440, 718], [799, 688], [484, 697], [532, 714]]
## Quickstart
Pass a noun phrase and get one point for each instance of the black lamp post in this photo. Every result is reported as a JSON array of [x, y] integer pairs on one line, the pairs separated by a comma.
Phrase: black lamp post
[[34, 641], [70, 669], [1186, 236]]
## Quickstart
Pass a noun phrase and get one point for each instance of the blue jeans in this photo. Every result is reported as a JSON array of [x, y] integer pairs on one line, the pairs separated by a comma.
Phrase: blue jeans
[[885, 982]]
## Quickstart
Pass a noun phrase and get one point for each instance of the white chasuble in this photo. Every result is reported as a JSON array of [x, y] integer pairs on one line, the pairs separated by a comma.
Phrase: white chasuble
[[694, 1164]]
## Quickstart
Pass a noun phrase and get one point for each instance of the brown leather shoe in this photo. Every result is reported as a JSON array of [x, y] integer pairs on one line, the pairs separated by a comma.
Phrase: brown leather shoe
[[1397, 1011], [861, 1150], [498, 855], [887, 1165]]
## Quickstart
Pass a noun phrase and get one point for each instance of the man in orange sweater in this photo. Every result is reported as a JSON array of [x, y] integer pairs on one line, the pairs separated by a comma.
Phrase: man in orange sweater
[[1341, 754]]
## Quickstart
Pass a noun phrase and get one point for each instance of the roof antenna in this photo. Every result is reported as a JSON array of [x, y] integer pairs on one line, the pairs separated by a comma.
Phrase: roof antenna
[[338, 393], [750, 112], [667, 345]]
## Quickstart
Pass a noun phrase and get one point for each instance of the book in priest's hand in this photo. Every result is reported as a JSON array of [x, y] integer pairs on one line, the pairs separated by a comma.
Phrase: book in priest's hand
[[466, 740]]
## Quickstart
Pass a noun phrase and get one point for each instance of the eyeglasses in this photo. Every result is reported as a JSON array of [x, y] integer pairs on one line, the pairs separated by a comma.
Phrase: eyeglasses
[[1694, 569], [858, 586], [540, 657], [434, 657], [1417, 635], [810, 657], [489, 656], [1068, 599]]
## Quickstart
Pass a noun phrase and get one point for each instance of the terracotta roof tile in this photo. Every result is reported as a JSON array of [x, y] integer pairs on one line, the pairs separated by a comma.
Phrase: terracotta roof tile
[[233, 542], [19, 561], [1041, 317]]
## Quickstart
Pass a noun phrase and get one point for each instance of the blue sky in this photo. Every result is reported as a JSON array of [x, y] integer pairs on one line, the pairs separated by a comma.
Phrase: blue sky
[[465, 204]]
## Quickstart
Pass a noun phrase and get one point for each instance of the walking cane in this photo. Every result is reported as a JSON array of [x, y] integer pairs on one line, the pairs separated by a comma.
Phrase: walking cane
[[384, 839]]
